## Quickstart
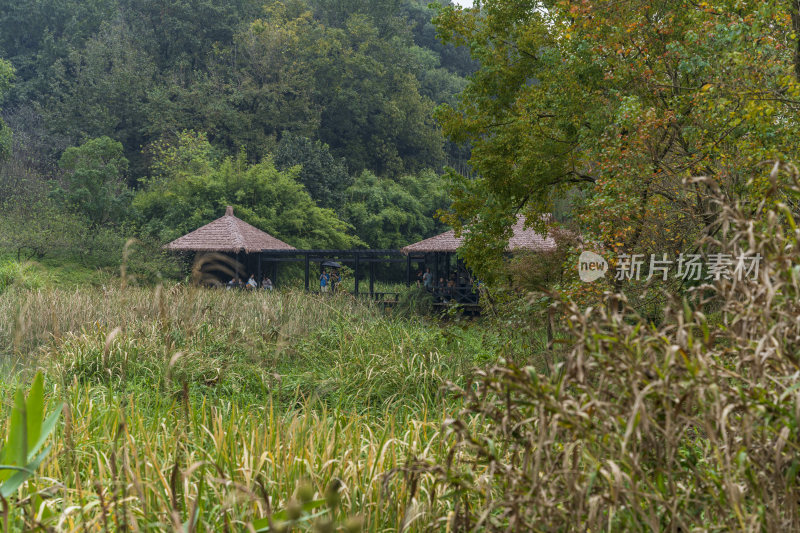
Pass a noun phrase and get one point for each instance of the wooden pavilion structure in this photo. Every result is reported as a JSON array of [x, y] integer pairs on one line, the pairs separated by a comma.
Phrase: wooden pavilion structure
[[236, 239], [362, 262], [250, 248], [439, 253]]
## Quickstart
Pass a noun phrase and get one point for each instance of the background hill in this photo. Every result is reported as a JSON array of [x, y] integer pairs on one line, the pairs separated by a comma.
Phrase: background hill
[[156, 96]]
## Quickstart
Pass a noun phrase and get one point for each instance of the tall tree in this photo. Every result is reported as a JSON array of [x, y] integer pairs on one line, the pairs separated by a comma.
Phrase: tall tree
[[95, 181], [193, 189], [251, 92], [350, 74], [455, 59], [623, 100], [34, 35], [181, 34], [335, 13], [102, 90], [372, 111], [324, 176], [391, 213]]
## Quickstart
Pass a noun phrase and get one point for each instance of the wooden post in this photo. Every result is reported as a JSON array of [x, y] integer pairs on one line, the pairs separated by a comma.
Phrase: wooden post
[[259, 267], [408, 270]]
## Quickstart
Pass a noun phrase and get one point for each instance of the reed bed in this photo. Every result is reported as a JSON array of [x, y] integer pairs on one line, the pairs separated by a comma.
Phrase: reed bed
[[204, 410], [33, 318], [165, 465]]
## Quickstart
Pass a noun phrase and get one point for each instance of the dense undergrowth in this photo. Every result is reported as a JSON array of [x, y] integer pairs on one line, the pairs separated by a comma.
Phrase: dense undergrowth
[[689, 424], [239, 346], [207, 408]]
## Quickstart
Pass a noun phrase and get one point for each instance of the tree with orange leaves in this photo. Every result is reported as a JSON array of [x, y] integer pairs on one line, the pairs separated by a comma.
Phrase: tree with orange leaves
[[622, 101]]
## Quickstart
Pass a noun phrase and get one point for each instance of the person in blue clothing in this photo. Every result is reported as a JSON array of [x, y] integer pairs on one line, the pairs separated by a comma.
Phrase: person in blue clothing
[[323, 282]]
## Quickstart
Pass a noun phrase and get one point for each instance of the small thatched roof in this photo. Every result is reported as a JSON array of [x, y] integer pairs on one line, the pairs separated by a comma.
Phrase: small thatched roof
[[522, 238], [227, 234]]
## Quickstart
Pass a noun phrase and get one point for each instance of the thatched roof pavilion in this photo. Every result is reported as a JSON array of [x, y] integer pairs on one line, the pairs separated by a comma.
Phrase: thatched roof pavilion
[[236, 239], [522, 238], [438, 253], [227, 234]]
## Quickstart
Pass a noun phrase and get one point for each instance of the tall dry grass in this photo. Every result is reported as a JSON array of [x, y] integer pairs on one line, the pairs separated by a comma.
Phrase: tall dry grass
[[31, 319], [689, 425], [203, 410], [167, 465]]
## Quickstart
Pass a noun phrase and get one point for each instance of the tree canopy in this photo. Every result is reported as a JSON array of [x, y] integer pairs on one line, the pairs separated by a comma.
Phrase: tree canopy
[[324, 176], [275, 107], [193, 189], [6, 75], [95, 181], [621, 101], [361, 77], [391, 213]]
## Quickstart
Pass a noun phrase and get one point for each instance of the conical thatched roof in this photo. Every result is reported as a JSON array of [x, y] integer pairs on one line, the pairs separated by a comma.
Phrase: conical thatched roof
[[522, 238], [227, 234]]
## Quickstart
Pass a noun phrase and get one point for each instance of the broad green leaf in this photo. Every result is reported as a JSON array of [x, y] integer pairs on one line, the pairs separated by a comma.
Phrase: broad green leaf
[[15, 468], [45, 430], [17, 441], [262, 524], [10, 486]]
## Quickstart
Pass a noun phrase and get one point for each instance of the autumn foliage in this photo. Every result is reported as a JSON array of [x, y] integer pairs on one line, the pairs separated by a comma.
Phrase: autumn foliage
[[614, 105]]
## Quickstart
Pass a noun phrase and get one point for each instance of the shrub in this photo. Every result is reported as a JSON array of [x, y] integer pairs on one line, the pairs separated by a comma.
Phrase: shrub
[[681, 426], [414, 301], [24, 275]]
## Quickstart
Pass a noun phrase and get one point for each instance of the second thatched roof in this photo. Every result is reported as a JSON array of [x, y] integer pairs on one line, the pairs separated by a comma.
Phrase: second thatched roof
[[227, 234], [522, 238]]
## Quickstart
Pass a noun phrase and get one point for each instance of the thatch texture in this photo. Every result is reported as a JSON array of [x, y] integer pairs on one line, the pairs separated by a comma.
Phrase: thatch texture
[[521, 239], [227, 234]]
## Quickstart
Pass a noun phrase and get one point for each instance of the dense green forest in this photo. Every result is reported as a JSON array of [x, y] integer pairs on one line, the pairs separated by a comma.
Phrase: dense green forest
[[136, 118]]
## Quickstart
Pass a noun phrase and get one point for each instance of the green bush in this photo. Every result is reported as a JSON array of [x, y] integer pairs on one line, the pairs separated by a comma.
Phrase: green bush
[[680, 426], [24, 275], [414, 301]]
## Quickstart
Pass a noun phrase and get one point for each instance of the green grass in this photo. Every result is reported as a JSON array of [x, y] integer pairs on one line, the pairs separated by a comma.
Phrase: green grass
[[184, 403], [50, 273]]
